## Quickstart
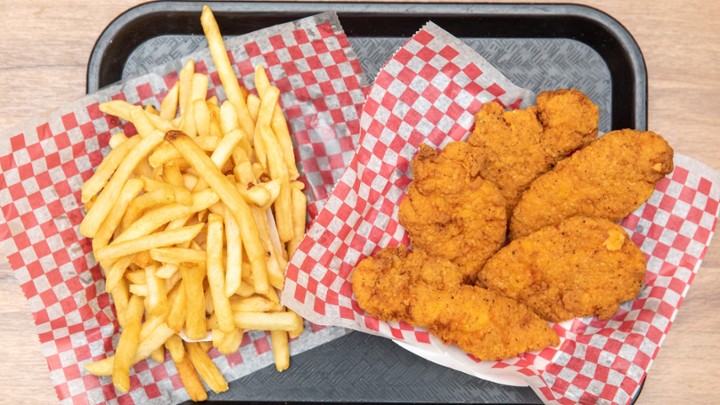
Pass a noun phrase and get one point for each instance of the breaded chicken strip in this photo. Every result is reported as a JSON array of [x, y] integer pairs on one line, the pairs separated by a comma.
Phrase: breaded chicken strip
[[513, 148], [424, 291], [451, 213], [584, 266], [608, 179]]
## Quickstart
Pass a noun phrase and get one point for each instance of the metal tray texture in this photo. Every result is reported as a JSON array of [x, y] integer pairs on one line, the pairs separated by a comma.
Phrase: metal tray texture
[[538, 46]]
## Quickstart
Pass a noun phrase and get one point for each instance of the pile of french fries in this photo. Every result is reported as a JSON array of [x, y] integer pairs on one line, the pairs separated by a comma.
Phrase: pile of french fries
[[193, 221]]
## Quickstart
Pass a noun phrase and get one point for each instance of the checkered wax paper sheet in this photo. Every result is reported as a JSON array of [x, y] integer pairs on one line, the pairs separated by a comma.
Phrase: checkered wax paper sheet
[[44, 164], [426, 94]]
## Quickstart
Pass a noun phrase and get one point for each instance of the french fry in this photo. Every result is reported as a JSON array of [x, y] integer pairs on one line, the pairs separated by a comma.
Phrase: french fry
[[160, 196], [205, 367], [175, 346], [228, 194], [235, 95], [139, 289], [158, 355], [178, 308], [117, 108], [233, 242], [202, 117], [216, 273], [172, 175], [299, 204], [127, 345], [107, 198], [157, 295], [253, 104], [107, 167], [160, 239], [281, 350], [169, 104], [231, 341], [116, 272], [115, 140], [154, 340], [182, 195], [142, 123], [195, 324], [166, 153], [299, 330], [286, 321], [185, 91], [128, 193], [121, 298], [160, 216], [190, 380], [151, 110], [177, 255], [254, 303]]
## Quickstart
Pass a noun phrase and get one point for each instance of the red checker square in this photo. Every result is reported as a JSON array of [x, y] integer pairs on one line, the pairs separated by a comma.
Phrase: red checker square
[[702, 235], [495, 90], [338, 56], [319, 306], [654, 334], [687, 194], [422, 337], [159, 372], [328, 279], [575, 364], [372, 323], [680, 175], [152, 391], [314, 62], [48, 298], [35, 151], [68, 305], [325, 30], [667, 203], [655, 231], [629, 385], [41, 248], [473, 72], [262, 345], [245, 67], [677, 285], [674, 222], [426, 54], [29, 220], [711, 206], [234, 359], [346, 313], [641, 359], [586, 397], [26, 171], [681, 242], [307, 79], [397, 333], [43, 132], [54, 277], [69, 121], [406, 76], [688, 262], [72, 372], [423, 37], [581, 381], [448, 52], [200, 67], [704, 186], [694, 215], [661, 250], [300, 37], [331, 298], [58, 323], [17, 142], [320, 47]]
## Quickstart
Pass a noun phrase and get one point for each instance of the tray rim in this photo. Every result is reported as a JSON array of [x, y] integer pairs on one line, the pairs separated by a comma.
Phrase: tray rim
[[638, 117]]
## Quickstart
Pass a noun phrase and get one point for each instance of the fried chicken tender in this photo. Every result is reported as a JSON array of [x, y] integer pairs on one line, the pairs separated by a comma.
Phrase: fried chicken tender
[[452, 213], [581, 267], [426, 291], [513, 148], [608, 179]]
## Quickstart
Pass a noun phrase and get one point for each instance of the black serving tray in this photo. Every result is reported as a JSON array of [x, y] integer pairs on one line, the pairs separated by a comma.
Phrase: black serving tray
[[538, 46]]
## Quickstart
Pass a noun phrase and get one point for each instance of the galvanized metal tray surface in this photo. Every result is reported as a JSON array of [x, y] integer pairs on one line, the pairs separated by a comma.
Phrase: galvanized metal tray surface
[[539, 47]]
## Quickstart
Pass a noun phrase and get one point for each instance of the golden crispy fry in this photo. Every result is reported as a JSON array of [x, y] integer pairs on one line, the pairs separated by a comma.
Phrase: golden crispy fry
[[121, 297], [202, 117], [227, 76], [206, 368], [116, 272], [185, 91], [256, 303], [182, 195], [158, 355], [178, 308], [216, 273], [165, 152], [281, 350], [177, 255], [195, 324], [190, 380], [102, 237], [175, 346], [253, 104], [228, 194], [107, 167], [233, 243], [127, 345], [157, 295], [159, 239], [107, 198], [299, 205], [286, 321], [147, 345], [169, 104], [141, 121], [115, 140]]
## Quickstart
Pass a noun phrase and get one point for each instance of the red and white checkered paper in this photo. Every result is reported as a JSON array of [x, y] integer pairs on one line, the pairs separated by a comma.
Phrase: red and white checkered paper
[[427, 93], [44, 164]]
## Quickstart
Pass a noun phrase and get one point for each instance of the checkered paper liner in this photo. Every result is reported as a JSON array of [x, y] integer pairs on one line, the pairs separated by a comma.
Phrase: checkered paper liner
[[44, 164], [427, 93]]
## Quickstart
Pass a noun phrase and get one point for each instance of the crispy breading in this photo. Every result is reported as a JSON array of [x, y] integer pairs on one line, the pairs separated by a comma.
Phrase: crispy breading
[[609, 179], [513, 148], [451, 213], [426, 291], [581, 267]]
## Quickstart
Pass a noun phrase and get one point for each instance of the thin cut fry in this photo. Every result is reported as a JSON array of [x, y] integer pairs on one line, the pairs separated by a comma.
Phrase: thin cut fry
[[216, 273], [169, 104], [228, 194], [227, 76], [281, 350], [154, 340], [159, 239], [206, 368], [127, 345], [107, 198], [190, 380], [177, 255], [195, 324], [107, 167], [286, 321]]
